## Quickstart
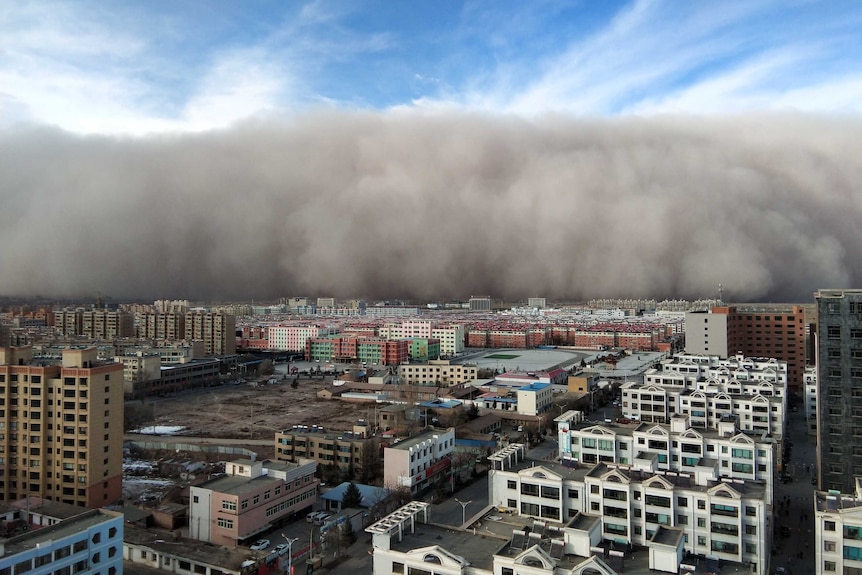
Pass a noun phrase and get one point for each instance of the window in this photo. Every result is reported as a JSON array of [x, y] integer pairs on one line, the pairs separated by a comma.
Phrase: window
[[225, 523], [829, 565], [829, 526], [228, 505], [829, 546]]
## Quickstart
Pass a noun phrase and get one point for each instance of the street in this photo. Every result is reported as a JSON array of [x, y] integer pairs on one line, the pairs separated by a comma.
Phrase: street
[[793, 510]]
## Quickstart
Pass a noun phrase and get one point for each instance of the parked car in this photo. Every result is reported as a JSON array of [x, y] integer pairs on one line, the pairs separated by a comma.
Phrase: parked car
[[281, 549], [260, 545]]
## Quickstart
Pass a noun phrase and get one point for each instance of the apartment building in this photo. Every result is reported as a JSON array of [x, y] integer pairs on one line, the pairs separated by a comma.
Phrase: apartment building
[[346, 348], [728, 519], [293, 337], [839, 388], [161, 325], [406, 541], [437, 372], [838, 531], [352, 451], [169, 352], [101, 324], [423, 349], [764, 331], [61, 427], [677, 447], [760, 408], [217, 330], [419, 462], [479, 303], [451, 337], [253, 497], [91, 542], [140, 366]]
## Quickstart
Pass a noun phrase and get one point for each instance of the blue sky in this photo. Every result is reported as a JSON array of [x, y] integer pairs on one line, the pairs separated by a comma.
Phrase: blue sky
[[164, 66]]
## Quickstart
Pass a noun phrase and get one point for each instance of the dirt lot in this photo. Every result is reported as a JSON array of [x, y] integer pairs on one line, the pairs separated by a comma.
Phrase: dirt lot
[[246, 412]]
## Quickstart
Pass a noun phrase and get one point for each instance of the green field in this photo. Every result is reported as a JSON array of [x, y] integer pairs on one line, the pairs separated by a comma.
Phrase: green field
[[501, 356]]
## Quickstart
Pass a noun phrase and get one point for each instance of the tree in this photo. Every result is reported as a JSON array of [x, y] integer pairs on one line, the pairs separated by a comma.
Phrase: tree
[[352, 497], [348, 535], [266, 367], [472, 412]]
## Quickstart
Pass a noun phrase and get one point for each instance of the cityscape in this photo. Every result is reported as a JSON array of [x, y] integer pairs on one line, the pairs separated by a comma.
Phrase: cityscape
[[463, 288], [618, 435]]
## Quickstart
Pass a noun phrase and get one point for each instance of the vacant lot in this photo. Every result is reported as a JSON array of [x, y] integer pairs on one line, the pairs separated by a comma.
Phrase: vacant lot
[[246, 412]]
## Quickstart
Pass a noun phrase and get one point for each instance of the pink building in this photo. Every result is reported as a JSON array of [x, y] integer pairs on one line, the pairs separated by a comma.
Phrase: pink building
[[250, 500]]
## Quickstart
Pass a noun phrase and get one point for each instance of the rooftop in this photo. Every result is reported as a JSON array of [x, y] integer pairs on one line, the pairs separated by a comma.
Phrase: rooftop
[[85, 519]]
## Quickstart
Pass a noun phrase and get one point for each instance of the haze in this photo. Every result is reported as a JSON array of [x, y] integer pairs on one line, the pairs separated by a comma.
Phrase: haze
[[418, 205]]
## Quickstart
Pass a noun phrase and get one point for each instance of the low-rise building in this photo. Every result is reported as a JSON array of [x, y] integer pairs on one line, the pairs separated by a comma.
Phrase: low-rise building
[[437, 372], [419, 462], [89, 542], [353, 451], [253, 497]]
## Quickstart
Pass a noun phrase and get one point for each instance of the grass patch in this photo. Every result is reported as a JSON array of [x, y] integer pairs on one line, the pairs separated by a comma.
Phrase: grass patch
[[501, 356]]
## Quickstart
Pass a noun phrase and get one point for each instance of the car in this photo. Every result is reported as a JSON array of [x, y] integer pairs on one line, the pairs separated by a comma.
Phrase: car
[[781, 571], [260, 545], [281, 549]]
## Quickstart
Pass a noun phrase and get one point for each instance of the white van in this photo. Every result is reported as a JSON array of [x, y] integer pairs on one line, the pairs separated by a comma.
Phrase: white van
[[314, 516], [322, 517]]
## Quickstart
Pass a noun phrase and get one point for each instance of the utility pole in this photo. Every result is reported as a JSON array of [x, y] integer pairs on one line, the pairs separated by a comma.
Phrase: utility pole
[[290, 543]]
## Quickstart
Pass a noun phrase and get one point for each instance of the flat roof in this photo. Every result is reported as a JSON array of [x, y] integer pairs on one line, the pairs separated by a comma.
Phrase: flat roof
[[86, 519]]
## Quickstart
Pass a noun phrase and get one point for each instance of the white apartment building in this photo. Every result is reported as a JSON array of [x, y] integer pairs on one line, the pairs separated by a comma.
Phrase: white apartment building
[[437, 371], [721, 517], [407, 542], [677, 447], [293, 338], [417, 463], [451, 336], [535, 398], [691, 368], [809, 383], [838, 531], [761, 409]]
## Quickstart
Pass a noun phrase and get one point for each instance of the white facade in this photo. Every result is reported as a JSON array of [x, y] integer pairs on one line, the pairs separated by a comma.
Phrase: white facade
[[838, 531], [677, 447], [761, 410], [293, 338], [91, 542], [534, 399], [722, 517], [418, 462], [451, 336], [706, 333]]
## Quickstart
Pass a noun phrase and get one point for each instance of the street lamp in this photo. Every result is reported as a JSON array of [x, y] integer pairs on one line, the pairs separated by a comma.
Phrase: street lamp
[[463, 505], [290, 543]]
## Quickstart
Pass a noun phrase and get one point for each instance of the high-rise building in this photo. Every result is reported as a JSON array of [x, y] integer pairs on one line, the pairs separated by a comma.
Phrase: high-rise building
[[753, 331], [161, 325], [101, 324], [839, 388], [478, 303], [61, 427], [216, 329]]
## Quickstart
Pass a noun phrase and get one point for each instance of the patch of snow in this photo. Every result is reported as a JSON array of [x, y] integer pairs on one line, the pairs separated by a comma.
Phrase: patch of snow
[[159, 430]]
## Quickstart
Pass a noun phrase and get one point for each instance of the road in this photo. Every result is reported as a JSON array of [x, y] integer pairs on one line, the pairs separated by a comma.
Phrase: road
[[796, 551]]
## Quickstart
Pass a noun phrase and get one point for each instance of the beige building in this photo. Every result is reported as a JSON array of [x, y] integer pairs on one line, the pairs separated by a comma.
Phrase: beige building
[[437, 372], [160, 325], [61, 427], [140, 366], [349, 450], [217, 330], [100, 324]]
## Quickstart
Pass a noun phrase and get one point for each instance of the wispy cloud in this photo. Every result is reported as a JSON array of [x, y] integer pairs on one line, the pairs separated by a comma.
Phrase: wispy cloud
[[203, 65]]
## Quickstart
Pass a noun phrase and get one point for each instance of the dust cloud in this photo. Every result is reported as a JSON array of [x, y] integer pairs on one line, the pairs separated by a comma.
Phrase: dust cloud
[[410, 205]]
